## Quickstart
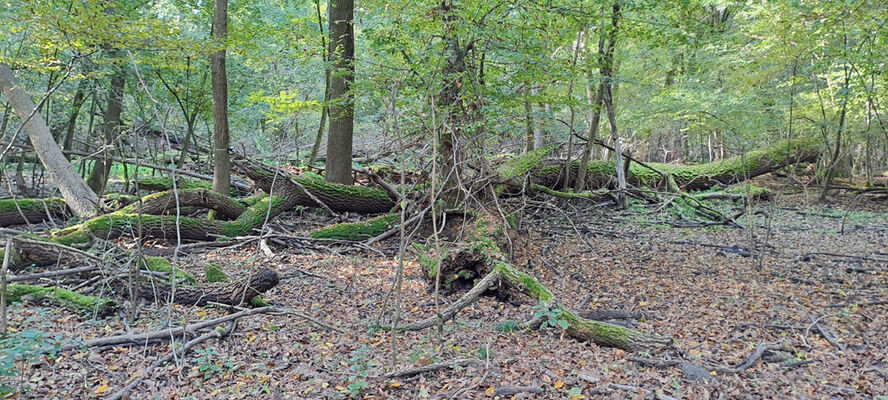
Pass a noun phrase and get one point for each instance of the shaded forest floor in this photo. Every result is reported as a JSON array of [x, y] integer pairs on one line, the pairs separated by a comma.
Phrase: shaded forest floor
[[718, 303]]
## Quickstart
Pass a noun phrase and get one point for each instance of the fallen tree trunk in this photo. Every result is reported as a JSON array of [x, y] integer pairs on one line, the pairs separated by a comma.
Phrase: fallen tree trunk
[[484, 258], [234, 293], [687, 177], [309, 189], [31, 211], [60, 296]]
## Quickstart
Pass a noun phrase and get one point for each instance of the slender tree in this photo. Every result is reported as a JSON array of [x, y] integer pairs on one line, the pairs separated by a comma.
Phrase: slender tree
[[342, 106], [221, 161], [98, 177]]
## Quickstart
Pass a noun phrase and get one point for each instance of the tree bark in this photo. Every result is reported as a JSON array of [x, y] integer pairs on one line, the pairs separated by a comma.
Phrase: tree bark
[[98, 177], [82, 200], [221, 161], [341, 107], [76, 105]]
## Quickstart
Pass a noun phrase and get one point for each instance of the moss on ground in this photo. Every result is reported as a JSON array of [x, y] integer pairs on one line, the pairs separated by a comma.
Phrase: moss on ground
[[160, 264], [215, 274]]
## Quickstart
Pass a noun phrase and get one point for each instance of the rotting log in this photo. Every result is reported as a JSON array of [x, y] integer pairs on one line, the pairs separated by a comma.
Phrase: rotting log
[[358, 230], [165, 183], [483, 255], [339, 198], [31, 211], [552, 174], [233, 293], [64, 297]]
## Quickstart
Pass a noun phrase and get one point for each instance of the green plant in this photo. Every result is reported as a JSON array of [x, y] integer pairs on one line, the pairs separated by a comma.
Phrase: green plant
[[18, 351], [358, 364], [209, 363], [507, 326], [552, 316]]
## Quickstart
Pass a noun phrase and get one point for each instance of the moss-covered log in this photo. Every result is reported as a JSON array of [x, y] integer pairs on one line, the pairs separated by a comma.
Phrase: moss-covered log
[[339, 198], [483, 257], [62, 297], [359, 230], [165, 183], [165, 203], [235, 293], [687, 177], [31, 211]]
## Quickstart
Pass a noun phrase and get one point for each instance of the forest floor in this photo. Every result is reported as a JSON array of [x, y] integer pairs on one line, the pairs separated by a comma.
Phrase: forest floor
[[813, 267]]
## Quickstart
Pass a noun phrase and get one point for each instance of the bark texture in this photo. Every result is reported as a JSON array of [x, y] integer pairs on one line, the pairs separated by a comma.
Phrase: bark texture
[[341, 106], [221, 163], [234, 293]]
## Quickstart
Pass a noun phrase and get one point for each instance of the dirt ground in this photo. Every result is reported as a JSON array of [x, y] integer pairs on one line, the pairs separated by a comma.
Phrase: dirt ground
[[816, 278]]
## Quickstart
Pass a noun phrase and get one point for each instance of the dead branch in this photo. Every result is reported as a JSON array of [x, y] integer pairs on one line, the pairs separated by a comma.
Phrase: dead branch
[[165, 333], [461, 362]]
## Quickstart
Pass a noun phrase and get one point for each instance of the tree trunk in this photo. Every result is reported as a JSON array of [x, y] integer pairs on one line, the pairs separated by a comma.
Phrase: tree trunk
[[82, 200], [539, 131], [221, 161], [689, 177], [324, 108], [341, 106], [235, 293], [98, 178], [76, 105]]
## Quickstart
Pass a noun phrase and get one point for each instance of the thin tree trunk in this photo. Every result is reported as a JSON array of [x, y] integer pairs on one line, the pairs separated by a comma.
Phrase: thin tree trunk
[[76, 105], [189, 137], [98, 178], [830, 169], [221, 161], [323, 123], [342, 106], [539, 132], [529, 137], [79, 196]]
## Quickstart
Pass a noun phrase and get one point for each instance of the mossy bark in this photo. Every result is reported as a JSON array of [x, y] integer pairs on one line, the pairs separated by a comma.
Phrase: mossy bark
[[235, 293], [61, 296], [483, 257], [359, 230], [339, 198], [31, 211], [687, 177]]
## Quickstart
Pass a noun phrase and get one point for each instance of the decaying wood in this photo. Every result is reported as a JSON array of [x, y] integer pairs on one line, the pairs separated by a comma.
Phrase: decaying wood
[[234, 293]]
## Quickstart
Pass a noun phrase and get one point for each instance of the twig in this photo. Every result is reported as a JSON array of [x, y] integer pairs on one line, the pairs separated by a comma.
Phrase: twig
[[658, 396], [3, 287], [164, 333], [159, 362], [451, 310], [461, 362], [48, 274]]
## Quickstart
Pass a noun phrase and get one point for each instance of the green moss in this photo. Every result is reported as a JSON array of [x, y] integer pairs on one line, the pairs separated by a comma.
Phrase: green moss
[[359, 230], [65, 297], [311, 175], [254, 216], [533, 286], [215, 274], [523, 164], [258, 301], [160, 264], [14, 205], [749, 188]]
